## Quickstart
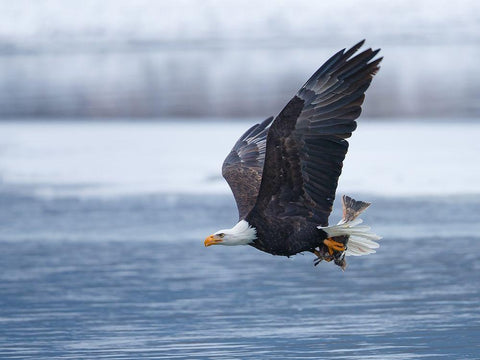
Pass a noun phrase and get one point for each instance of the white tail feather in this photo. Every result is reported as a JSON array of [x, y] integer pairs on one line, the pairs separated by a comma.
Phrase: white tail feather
[[360, 241]]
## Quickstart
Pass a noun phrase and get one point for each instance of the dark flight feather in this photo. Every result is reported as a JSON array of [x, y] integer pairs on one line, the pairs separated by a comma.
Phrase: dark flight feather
[[243, 167]]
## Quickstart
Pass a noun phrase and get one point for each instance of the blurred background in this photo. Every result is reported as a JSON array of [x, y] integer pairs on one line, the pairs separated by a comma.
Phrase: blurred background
[[212, 68], [115, 117], [159, 59]]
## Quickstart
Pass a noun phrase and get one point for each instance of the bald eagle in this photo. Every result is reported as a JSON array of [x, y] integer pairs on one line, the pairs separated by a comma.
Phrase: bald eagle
[[284, 171]]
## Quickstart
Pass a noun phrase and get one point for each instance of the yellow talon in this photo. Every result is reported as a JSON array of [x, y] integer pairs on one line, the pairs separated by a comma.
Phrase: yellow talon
[[333, 245]]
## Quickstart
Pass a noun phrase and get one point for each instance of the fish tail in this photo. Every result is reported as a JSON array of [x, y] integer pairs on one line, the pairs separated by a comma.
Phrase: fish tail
[[352, 208]]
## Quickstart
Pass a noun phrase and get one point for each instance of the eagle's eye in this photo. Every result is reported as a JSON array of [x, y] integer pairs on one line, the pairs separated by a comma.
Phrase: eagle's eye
[[221, 235]]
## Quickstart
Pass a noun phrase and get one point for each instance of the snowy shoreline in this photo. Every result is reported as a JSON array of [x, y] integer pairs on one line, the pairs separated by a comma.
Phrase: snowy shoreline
[[87, 159]]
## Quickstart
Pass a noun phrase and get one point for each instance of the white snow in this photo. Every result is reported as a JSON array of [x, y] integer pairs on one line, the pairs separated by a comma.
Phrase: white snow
[[424, 158], [121, 158]]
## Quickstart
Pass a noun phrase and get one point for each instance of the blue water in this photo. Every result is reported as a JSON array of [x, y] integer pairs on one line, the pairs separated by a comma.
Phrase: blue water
[[129, 278]]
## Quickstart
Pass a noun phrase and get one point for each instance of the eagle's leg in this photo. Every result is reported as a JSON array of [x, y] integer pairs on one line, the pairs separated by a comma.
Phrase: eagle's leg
[[321, 255], [333, 246], [333, 249]]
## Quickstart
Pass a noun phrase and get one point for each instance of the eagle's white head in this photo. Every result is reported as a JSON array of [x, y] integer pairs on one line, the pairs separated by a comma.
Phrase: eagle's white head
[[240, 234]]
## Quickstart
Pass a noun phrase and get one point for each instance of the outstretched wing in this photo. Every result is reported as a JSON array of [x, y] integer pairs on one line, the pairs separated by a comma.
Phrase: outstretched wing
[[306, 142], [243, 166]]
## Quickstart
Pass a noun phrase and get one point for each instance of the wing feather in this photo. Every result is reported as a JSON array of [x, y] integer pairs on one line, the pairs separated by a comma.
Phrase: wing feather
[[306, 143], [243, 167]]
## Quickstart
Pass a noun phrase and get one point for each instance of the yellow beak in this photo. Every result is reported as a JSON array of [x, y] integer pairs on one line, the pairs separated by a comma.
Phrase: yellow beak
[[211, 240]]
